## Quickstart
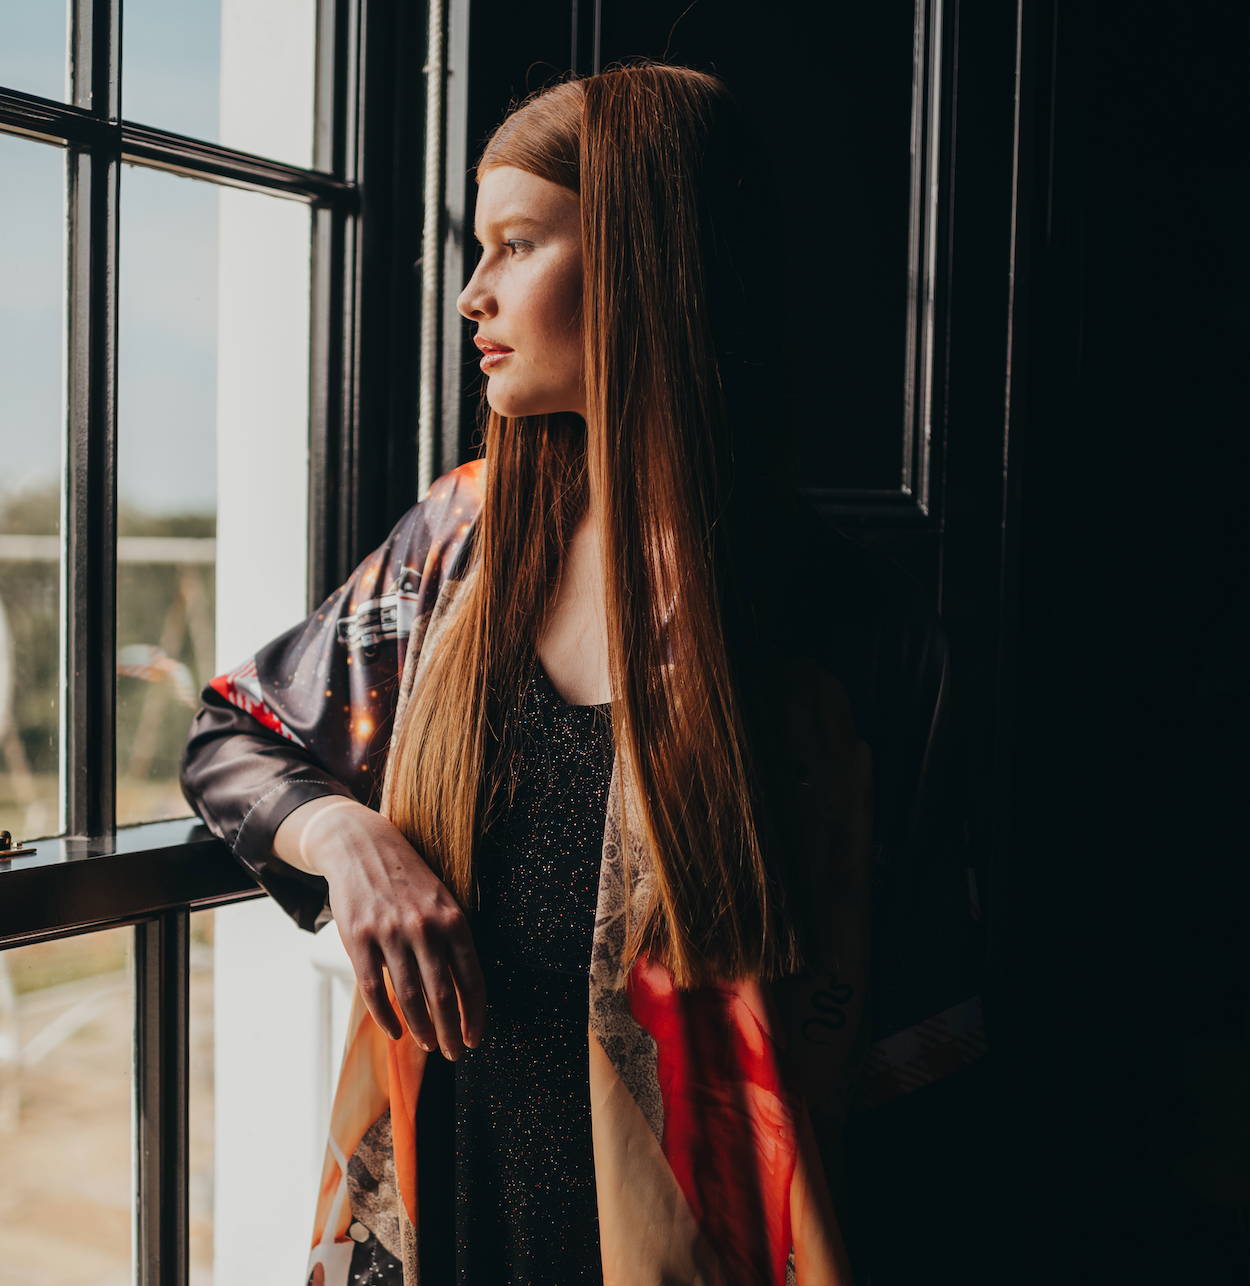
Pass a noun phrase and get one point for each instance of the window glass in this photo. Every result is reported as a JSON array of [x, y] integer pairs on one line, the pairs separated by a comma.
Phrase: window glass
[[167, 480], [31, 292], [32, 47], [66, 1042], [170, 65], [268, 66], [262, 421], [213, 385], [238, 72]]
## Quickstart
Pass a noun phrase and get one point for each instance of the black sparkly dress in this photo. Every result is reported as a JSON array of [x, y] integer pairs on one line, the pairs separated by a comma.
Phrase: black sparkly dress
[[525, 1208]]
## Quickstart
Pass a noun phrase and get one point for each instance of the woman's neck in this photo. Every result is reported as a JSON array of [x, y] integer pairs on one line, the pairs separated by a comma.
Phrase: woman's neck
[[573, 648]]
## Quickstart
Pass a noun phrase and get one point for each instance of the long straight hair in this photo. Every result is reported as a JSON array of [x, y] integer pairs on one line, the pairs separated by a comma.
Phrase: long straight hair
[[681, 454]]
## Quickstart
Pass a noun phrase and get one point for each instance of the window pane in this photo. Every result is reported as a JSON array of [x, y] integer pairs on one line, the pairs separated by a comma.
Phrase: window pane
[[254, 57], [32, 47], [31, 293], [213, 385], [167, 481], [262, 421], [66, 1041], [171, 63], [268, 50]]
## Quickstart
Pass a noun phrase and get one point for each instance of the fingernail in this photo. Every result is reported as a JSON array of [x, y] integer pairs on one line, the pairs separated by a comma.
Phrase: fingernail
[[429, 1049]]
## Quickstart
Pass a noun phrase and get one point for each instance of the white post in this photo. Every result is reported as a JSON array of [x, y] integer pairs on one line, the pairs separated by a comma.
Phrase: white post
[[275, 1026]]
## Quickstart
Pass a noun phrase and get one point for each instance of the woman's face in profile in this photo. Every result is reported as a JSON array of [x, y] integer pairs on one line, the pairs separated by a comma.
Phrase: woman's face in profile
[[526, 294]]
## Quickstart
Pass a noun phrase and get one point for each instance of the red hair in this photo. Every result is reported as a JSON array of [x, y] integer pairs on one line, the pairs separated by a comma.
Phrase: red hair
[[680, 454]]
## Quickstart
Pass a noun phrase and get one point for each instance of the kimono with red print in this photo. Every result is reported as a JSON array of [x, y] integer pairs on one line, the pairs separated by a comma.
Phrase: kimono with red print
[[709, 1166]]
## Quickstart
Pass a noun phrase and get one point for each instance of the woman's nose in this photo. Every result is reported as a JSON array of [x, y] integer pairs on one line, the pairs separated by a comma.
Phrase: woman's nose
[[476, 302]]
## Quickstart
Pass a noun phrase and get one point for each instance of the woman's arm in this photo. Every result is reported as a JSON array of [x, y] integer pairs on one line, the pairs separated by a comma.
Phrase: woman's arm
[[242, 778], [393, 914], [303, 727]]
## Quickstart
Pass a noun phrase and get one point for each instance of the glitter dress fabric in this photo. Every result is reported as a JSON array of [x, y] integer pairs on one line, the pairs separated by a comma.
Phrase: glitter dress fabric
[[525, 1183], [694, 1179]]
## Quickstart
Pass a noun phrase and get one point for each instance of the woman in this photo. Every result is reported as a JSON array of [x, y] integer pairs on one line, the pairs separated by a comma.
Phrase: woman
[[596, 708]]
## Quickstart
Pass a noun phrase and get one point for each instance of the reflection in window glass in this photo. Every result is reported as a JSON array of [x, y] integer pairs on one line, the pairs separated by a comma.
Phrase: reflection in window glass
[[172, 62], [31, 290], [66, 1039], [201, 1113], [167, 481], [32, 47]]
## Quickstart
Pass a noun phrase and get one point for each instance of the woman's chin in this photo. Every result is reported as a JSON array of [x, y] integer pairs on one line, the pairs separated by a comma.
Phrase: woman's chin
[[504, 401], [513, 406]]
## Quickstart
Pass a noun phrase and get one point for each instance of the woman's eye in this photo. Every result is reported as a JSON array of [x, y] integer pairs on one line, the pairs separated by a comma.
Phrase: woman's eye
[[518, 246]]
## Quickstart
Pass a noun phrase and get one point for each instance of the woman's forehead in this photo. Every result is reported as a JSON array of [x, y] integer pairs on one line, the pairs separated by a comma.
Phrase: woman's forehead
[[514, 196]]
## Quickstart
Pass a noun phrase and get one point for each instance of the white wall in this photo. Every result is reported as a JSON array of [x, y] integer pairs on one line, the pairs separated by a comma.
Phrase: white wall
[[262, 421], [268, 74], [281, 1002], [266, 103], [281, 996]]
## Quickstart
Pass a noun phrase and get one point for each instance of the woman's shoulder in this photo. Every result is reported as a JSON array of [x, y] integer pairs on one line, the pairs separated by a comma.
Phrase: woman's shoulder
[[449, 509], [432, 541]]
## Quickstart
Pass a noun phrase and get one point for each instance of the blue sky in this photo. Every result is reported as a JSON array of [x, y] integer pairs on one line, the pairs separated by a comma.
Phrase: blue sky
[[167, 376], [169, 58], [32, 46], [31, 275]]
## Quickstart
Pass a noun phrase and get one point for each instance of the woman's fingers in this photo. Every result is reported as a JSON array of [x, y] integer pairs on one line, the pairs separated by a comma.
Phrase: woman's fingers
[[471, 987], [396, 917], [410, 997], [441, 1001], [442, 996], [426, 993], [367, 962]]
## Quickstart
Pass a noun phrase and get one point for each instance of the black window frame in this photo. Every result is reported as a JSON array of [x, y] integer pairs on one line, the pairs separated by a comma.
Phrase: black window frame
[[364, 335], [365, 192]]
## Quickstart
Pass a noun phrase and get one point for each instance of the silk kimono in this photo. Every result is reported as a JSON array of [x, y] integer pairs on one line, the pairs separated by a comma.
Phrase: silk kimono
[[709, 1165]]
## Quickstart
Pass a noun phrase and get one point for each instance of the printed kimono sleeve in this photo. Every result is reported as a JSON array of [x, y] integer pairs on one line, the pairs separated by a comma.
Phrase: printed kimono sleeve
[[311, 713]]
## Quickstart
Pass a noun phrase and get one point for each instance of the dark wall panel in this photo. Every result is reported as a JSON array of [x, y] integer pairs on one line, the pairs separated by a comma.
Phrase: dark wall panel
[[830, 88], [508, 60], [1124, 890]]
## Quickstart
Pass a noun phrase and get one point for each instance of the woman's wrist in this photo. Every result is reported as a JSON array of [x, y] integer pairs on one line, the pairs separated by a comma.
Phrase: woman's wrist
[[308, 837]]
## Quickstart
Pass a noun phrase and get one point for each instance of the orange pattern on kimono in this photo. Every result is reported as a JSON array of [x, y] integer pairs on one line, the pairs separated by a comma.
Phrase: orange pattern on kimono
[[706, 1165]]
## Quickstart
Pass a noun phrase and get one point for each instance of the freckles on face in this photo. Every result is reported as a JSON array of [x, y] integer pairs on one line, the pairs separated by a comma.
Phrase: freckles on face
[[526, 294]]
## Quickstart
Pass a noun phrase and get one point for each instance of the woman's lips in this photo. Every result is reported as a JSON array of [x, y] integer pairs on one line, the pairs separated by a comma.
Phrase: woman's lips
[[492, 353]]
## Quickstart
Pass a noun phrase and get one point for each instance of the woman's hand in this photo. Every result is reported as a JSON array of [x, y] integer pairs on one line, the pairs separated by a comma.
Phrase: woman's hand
[[392, 912]]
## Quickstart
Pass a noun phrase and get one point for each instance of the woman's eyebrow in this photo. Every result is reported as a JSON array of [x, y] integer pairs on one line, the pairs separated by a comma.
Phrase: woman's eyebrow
[[521, 222]]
